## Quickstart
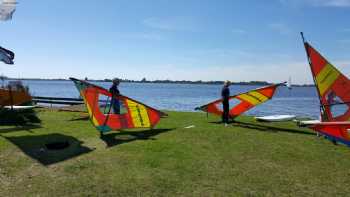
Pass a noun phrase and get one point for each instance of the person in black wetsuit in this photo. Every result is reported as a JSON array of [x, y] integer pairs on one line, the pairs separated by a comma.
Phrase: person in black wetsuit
[[225, 94], [115, 92]]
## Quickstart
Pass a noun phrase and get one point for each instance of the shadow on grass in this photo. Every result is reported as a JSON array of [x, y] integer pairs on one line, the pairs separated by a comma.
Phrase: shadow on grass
[[35, 147], [10, 117], [264, 127], [220, 122], [80, 118], [20, 128], [87, 117], [268, 128], [113, 139]]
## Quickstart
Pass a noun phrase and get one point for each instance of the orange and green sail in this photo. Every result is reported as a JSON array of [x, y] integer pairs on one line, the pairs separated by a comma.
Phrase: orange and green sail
[[332, 86], [133, 114], [242, 102]]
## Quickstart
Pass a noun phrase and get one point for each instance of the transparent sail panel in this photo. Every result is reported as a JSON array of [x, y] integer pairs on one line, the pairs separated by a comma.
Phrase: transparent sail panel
[[108, 105], [232, 103], [337, 106], [339, 109]]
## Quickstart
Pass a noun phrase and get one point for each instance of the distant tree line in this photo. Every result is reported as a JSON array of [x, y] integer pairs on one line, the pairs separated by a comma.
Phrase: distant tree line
[[144, 80]]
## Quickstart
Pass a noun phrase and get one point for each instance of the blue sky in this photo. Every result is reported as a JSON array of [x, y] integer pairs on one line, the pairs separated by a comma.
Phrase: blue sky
[[239, 40]]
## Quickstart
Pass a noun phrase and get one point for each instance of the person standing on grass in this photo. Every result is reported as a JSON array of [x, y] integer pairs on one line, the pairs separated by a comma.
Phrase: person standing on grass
[[115, 104], [225, 94]]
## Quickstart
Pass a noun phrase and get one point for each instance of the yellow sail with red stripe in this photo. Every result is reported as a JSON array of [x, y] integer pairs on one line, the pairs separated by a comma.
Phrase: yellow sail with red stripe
[[244, 101]]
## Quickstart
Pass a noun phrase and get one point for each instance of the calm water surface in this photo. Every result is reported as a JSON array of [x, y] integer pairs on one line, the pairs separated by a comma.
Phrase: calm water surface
[[301, 101]]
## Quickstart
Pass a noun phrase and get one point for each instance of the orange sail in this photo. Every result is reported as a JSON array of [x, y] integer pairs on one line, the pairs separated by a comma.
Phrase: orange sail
[[133, 114], [334, 94], [243, 102]]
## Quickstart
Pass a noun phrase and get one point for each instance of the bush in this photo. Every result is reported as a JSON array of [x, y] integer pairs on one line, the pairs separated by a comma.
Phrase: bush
[[22, 117]]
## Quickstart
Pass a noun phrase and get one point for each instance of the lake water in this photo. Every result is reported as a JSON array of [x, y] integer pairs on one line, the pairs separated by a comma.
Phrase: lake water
[[300, 101]]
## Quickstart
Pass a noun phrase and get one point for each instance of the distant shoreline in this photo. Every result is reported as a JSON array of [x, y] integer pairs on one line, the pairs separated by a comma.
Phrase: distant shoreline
[[261, 83]]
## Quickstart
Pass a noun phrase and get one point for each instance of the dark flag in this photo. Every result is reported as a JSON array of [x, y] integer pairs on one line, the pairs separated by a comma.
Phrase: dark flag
[[6, 56]]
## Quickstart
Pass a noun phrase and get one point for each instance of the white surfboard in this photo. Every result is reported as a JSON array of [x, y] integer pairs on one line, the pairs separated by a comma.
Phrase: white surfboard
[[305, 123], [18, 107], [189, 127], [275, 118]]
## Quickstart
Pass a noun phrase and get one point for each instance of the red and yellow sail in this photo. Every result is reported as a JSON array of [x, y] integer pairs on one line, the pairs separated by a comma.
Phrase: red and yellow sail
[[133, 114], [338, 131], [244, 101], [334, 94], [333, 87]]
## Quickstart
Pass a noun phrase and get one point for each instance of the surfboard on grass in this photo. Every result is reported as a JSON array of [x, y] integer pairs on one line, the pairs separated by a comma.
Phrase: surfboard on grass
[[18, 107], [306, 123], [275, 118]]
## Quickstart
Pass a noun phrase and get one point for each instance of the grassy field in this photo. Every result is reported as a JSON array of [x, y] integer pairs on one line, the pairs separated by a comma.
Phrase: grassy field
[[244, 159]]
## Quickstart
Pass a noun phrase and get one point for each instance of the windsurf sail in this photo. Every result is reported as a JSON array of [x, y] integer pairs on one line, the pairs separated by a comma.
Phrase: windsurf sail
[[335, 131], [333, 90], [6, 56], [332, 86], [241, 103], [132, 114], [7, 8]]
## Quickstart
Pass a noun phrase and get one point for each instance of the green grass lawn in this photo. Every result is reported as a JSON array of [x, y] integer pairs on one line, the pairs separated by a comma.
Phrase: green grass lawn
[[244, 159]]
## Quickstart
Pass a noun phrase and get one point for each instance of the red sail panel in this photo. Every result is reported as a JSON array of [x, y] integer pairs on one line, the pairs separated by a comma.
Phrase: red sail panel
[[338, 131], [242, 102], [333, 87]]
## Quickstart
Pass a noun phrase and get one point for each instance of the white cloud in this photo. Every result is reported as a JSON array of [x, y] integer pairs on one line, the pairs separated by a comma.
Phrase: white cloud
[[275, 69], [344, 41], [346, 30], [318, 3], [143, 35], [170, 24], [334, 3], [238, 31], [278, 70], [280, 28]]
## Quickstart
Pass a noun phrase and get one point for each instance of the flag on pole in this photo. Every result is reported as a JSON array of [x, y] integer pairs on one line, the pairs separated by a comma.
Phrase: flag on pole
[[6, 56]]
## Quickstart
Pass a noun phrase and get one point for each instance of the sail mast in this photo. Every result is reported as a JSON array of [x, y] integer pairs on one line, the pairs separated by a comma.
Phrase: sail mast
[[322, 109]]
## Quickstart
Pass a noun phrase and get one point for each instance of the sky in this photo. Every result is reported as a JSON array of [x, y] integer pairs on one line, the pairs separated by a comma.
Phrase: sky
[[237, 40]]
